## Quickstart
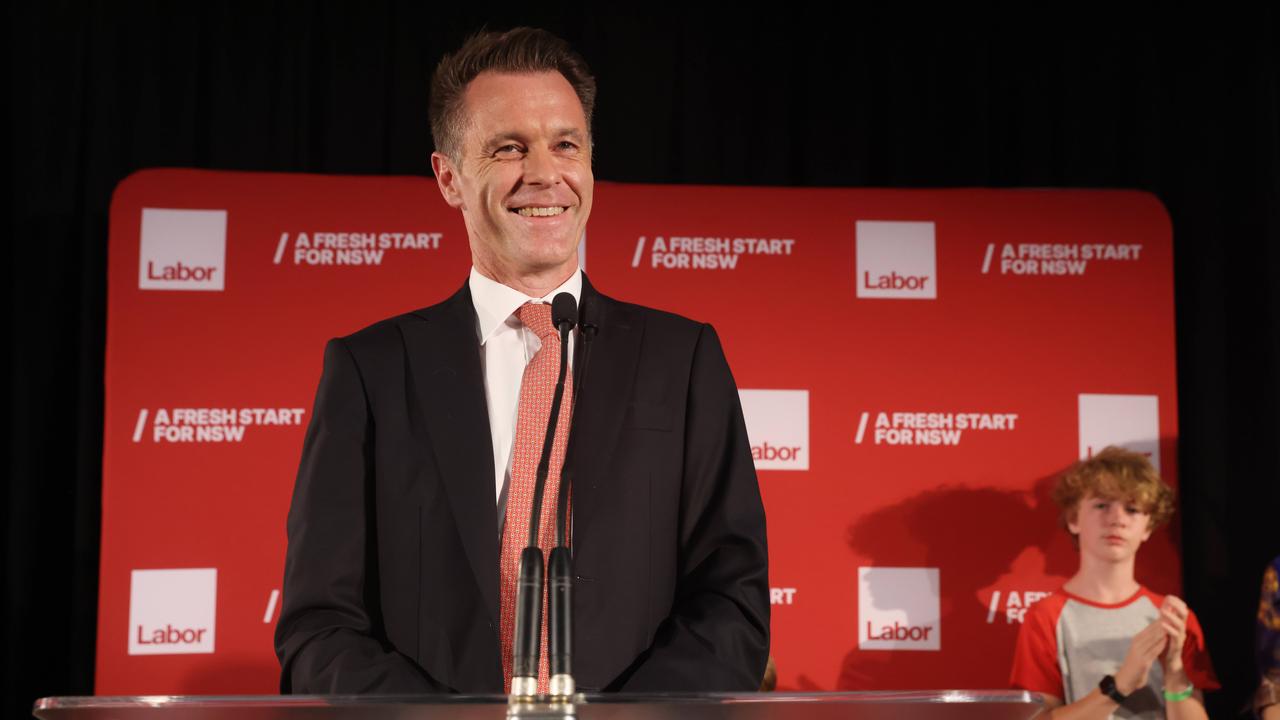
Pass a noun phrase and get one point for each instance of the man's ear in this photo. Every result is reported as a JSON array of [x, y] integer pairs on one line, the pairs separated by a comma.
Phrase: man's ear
[[447, 178]]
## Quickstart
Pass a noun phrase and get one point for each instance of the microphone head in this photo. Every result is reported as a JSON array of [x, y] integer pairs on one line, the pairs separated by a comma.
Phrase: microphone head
[[586, 315], [564, 311]]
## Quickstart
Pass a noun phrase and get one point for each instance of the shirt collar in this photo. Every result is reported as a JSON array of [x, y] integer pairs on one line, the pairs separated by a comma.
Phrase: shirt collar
[[495, 302]]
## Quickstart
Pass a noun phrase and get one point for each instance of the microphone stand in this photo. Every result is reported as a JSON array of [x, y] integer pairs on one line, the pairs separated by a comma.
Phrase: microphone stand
[[529, 581], [560, 565]]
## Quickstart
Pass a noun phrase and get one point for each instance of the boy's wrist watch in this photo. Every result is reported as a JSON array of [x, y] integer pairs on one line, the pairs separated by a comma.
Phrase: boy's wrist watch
[[1108, 687]]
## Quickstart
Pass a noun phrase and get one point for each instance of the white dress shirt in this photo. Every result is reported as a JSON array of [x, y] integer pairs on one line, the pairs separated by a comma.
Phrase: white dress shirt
[[506, 346]]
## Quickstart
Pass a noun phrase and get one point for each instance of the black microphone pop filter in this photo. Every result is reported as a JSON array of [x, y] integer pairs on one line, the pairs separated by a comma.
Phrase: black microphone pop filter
[[564, 311]]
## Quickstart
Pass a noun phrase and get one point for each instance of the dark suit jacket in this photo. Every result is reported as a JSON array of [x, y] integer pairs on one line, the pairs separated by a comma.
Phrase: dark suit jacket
[[391, 576]]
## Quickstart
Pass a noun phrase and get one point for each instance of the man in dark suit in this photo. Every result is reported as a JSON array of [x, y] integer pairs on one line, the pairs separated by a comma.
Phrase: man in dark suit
[[392, 580]]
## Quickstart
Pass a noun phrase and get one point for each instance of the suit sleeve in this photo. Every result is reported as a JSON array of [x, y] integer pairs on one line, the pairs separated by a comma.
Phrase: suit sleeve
[[717, 636], [329, 638]]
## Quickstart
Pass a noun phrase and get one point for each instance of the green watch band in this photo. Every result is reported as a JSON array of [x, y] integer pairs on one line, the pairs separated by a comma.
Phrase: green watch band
[[1180, 695]]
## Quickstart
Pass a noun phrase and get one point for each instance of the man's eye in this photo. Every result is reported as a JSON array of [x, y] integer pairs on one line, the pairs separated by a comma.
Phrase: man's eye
[[508, 150], [566, 145]]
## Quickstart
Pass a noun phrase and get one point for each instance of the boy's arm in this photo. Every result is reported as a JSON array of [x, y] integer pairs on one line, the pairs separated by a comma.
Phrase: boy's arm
[[1175, 682], [1191, 708], [1173, 617], [1094, 706]]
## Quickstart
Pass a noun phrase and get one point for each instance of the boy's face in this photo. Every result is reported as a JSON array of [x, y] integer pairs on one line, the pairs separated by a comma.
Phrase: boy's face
[[1110, 529]]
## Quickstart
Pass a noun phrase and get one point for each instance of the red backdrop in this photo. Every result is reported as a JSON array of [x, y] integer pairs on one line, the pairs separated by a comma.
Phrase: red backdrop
[[916, 366]]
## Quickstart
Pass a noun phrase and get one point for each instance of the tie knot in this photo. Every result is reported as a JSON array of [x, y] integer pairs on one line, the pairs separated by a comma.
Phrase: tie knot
[[537, 317]]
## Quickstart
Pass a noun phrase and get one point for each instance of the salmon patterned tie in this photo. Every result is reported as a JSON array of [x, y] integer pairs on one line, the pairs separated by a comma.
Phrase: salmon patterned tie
[[537, 388]]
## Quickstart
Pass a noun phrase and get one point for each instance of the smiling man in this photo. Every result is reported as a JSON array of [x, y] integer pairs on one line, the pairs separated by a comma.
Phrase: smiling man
[[521, 176], [414, 492]]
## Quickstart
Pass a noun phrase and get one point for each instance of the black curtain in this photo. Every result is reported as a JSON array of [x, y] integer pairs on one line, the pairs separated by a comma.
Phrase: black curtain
[[1181, 104]]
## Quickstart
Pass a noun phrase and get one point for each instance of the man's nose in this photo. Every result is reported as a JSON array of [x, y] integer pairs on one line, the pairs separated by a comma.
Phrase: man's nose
[[540, 167]]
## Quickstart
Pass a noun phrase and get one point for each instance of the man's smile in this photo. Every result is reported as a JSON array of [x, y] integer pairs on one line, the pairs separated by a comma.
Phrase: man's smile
[[539, 211]]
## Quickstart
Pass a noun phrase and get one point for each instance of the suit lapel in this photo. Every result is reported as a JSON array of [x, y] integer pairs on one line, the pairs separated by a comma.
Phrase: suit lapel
[[601, 407], [444, 368]]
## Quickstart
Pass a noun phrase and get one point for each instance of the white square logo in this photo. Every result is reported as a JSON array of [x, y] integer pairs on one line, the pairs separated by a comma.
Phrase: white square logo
[[778, 428], [172, 612], [182, 249], [896, 260], [1128, 421], [898, 609]]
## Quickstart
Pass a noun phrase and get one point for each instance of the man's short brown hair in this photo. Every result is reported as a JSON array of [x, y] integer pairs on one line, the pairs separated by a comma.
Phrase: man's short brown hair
[[1115, 474], [519, 50]]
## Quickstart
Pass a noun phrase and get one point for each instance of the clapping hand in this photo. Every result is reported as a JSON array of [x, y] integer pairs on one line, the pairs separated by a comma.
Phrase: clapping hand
[[1173, 618], [1145, 647]]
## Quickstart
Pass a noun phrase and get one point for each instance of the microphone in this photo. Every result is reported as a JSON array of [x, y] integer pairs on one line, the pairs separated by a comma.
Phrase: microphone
[[564, 313], [586, 332], [529, 582], [560, 566]]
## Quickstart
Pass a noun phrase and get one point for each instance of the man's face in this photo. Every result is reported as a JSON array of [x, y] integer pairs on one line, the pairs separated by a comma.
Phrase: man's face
[[523, 178], [1110, 529]]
